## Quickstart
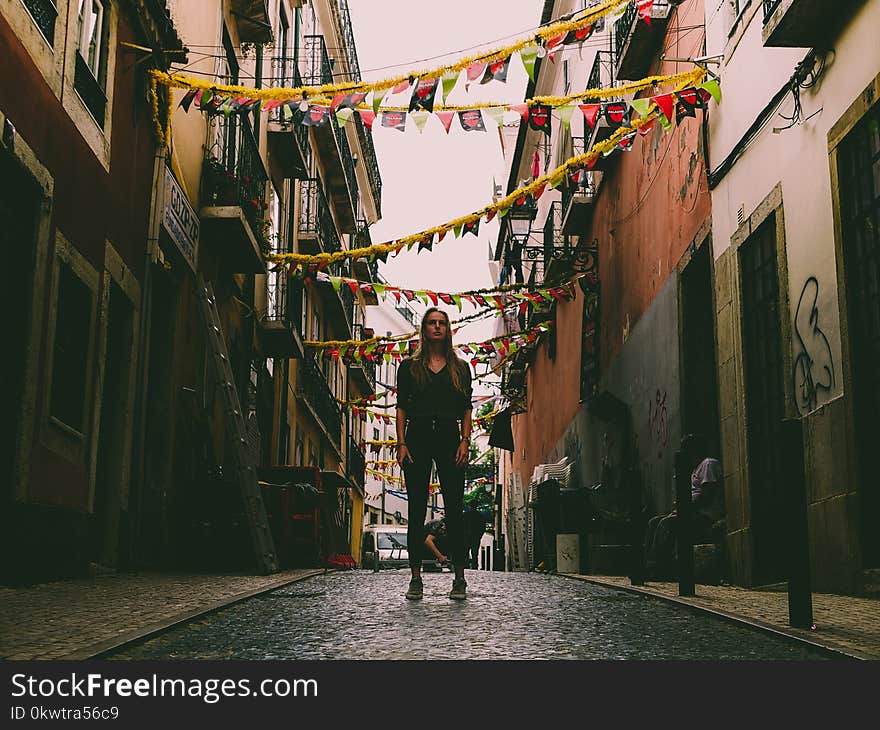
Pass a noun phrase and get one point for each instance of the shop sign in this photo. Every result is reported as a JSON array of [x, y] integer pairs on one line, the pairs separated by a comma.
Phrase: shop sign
[[180, 221]]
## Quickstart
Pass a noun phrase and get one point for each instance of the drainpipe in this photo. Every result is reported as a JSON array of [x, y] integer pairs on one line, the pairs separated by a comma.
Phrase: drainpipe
[[157, 200]]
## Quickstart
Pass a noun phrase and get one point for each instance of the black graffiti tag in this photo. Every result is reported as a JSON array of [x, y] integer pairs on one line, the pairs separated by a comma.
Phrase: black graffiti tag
[[814, 364]]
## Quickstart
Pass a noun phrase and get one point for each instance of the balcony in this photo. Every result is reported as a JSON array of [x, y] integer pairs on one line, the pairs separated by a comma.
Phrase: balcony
[[288, 139], [356, 462], [579, 199], [312, 389], [558, 253], [317, 231], [279, 331], [331, 139], [636, 43], [362, 371], [601, 76], [233, 194], [252, 17], [804, 23]]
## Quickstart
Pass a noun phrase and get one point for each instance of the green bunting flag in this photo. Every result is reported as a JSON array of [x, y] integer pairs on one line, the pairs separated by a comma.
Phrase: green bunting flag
[[343, 116], [496, 114], [336, 282], [456, 230], [641, 106], [378, 95], [714, 88], [457, 299], [565, 113], [420, 118], [528, 56], [449, 79]]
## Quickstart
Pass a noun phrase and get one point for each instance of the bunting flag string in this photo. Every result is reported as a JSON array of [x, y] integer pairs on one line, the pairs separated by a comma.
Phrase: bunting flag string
[[545, 39], [434, 486], [485, 351], [510, 294], [620, 137]]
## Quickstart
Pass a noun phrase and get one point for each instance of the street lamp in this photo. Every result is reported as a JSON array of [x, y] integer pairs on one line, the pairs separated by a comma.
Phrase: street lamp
[[519, 221]]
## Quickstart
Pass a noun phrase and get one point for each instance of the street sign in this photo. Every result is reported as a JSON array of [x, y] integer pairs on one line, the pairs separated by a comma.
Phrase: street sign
[[180, 221]]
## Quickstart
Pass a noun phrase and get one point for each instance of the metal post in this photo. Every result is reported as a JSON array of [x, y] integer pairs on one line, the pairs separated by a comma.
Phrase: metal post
[[800, 597], [636, 528], [684, 523]]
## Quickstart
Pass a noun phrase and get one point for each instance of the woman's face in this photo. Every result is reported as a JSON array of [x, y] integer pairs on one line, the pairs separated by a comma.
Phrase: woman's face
[[435, 327]]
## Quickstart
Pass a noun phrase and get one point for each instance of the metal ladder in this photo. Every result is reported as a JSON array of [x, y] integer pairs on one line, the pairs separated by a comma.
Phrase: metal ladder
[[261, 536]]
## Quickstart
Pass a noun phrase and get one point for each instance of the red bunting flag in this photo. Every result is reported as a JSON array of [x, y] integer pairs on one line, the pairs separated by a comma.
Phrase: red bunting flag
[[522, 109], [491, 214], [433, 296], [665, 102], [446, 119], [591, 113], [367, 117], [401, 87], [644, 8], [475, 70]]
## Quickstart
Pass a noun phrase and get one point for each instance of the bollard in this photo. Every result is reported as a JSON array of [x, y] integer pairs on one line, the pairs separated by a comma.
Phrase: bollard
[[800, 597], [638, 571], [685, 534]]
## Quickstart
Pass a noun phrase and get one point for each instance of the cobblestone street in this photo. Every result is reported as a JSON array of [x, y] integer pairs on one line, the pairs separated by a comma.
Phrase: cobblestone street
[[362, 615]]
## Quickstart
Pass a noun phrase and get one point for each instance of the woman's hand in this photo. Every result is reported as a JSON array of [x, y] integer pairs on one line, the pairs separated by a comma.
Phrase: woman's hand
[[461, 456], [403, 454]]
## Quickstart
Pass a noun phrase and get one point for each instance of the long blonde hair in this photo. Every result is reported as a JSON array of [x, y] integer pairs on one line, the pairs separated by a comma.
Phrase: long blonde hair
[[420, 359]]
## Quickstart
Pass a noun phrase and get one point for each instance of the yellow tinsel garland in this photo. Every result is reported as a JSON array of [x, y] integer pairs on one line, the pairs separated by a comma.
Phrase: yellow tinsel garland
[[549, 31], [552, 178]]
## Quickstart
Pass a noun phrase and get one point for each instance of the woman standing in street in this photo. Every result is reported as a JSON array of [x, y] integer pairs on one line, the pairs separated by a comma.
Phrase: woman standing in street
[[434, 426]]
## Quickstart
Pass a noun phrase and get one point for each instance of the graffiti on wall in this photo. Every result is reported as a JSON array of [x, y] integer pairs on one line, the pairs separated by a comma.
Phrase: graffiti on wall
[[658, 423], [814, 363]]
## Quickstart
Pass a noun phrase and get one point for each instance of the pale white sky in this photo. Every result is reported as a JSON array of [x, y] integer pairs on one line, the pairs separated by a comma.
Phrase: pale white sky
[[431, 178]]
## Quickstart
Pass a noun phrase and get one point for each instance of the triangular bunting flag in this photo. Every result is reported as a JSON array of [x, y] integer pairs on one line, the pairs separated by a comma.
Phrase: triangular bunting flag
[[420, 118], [343, 116], [714, 89], [565, 113], [539, 118], [644, 8], [527, 56], [378, 95], [641, 106], [495, 113], [591, 113], [475, 70], [473, 227], [402, 86], [446, 119], [521, 109], [367, 117], [665, 102], [449, 80]]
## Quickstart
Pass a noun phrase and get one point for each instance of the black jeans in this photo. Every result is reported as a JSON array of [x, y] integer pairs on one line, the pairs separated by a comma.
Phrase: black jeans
[[434, 442]]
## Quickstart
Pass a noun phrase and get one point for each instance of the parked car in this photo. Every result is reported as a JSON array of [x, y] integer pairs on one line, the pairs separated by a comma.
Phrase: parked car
[[385, 546]]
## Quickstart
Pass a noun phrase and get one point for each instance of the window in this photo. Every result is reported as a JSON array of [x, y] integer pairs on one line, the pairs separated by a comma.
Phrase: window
[[299, 452], [90, 39], [44, 14], [71, 350]]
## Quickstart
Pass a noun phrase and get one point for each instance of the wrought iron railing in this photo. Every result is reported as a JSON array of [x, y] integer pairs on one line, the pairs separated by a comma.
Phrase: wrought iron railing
[[311, 384], [365, 136], [44, 14], [348, 41], [585, 186], [233, 173], [318, 69], [623, 28], [347, 160], [357, 461], [315, 217], [769, 7], [602, 71]]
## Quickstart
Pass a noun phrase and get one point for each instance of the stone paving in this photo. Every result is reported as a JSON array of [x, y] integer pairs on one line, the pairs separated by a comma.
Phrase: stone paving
[[363, 615], [78, 618], [847, 624]]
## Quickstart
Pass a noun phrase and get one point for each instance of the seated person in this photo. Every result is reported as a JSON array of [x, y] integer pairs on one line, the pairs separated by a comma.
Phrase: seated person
[[707, 499]]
